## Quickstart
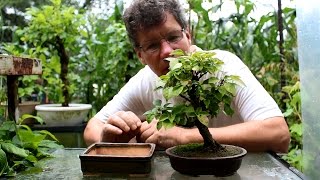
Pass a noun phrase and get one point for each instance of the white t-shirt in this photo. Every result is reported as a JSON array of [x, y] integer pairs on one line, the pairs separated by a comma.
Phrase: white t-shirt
[[252, 101]]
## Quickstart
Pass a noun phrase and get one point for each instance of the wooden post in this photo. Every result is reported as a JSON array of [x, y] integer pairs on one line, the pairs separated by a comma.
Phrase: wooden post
[[12, 93], [13, 67]]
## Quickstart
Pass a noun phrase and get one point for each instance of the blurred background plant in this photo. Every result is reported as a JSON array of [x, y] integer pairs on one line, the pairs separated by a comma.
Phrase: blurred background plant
[[102, 59]]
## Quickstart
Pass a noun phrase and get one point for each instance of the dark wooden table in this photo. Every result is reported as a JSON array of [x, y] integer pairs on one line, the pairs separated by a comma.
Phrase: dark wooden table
[[66, 165]]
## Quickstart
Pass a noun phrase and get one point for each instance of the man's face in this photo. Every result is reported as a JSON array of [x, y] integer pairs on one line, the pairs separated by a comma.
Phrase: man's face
[[157, 43]]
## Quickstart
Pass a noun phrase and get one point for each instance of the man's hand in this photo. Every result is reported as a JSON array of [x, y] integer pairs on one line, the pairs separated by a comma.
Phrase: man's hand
[[164, 137], [121, 127]]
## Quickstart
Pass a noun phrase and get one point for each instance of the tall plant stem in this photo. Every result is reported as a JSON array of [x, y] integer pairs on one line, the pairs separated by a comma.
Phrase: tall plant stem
[[64, 61], [281, 51]]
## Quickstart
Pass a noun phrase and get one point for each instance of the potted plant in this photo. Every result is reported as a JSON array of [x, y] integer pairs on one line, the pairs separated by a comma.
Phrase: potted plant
[[53, 32], [200, 89]]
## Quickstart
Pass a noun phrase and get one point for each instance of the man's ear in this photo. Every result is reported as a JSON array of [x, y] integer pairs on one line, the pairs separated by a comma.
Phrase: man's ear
[[138, 52], [188, 35]]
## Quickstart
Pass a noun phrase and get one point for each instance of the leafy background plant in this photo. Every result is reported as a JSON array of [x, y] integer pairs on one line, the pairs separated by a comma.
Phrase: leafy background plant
[[97, 60], [22, 148]]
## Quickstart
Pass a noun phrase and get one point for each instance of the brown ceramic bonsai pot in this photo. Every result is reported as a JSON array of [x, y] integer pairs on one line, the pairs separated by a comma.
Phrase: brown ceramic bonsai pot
[[218, 166], [116, 158]]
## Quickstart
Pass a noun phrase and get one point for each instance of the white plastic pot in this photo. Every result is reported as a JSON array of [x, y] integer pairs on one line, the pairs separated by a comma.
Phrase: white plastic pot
[[56, 115]]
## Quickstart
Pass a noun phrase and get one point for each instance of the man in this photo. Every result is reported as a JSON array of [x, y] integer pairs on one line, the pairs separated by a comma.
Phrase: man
[[156, 28]]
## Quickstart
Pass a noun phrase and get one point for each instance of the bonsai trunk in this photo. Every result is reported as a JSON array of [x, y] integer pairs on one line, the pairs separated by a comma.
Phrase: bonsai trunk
[[208, 141], [64, 61]]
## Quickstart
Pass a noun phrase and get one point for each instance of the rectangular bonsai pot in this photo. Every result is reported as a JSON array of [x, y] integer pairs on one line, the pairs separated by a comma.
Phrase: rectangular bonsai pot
[[117, 158]]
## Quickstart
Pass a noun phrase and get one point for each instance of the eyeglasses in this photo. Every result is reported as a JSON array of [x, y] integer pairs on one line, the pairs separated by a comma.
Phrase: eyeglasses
[[171, 38]]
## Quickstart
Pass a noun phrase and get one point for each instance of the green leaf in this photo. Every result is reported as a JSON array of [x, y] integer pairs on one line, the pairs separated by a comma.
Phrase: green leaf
[[26, 116], [8, 126], [296, 128], [230, 88], [172, 62], [47, 133], [29, 139], [177, 52], [3, 162], [176, 66], [49, 144], [196, 68], [11, 148], [203, 119], [228, 110], [288, 112], [213, 80], [167, 124]]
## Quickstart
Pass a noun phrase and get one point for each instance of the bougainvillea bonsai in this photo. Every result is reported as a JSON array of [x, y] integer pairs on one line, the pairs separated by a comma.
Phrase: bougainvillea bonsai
[[200, 90]]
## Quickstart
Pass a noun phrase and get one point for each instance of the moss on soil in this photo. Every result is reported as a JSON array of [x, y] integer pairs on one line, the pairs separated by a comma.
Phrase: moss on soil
[[197, 150]]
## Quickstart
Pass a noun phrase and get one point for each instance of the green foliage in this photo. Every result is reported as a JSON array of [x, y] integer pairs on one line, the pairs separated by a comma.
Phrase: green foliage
[[294, 119], [255, 41], [110, 63], [199, 80], [49, 25], [22, 148], [102, 59]]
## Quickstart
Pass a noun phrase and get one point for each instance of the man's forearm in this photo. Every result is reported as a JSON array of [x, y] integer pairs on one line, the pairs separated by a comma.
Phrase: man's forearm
[[92, 132], [270, 134]]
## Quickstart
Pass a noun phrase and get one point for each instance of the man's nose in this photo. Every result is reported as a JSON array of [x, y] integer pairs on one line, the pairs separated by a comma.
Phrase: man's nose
[[165, 49]]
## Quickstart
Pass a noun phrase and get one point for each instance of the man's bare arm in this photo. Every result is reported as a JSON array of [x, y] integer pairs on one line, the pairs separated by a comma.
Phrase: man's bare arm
[[120, 127], [269, 134], [93, 130]]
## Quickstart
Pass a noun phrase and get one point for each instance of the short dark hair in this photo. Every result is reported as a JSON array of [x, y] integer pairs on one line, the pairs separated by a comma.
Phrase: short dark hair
[[144, 14]]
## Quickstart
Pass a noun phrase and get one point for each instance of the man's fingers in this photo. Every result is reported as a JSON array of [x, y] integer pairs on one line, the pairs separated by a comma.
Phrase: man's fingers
[[147, 133], [152, 139], [144, 126], [118, 122], [110, 129], [148, 130], [134, 121], [131, 120]]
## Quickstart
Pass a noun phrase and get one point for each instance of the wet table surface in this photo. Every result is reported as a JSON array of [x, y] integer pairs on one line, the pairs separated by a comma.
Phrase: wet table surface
[[66, 165]]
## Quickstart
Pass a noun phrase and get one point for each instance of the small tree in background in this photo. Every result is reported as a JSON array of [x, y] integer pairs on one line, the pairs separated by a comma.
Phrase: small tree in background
[[52, 34]]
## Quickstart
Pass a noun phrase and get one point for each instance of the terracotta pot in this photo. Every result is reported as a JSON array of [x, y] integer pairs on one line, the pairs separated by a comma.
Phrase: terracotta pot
[[123, 158], [218, 166], [56, 115]]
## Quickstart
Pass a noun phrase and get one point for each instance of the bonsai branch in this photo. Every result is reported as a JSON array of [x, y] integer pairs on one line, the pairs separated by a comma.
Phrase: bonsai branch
[[185, 97]]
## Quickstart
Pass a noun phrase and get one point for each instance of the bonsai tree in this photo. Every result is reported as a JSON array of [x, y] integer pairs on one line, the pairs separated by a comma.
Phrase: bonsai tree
[[200, 89], [52, 35]]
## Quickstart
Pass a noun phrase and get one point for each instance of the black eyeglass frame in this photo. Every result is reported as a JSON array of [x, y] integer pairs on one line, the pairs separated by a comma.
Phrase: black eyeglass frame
[[165, 38]]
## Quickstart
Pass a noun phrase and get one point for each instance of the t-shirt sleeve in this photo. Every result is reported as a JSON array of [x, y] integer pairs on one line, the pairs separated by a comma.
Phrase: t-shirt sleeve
[[135, 96]]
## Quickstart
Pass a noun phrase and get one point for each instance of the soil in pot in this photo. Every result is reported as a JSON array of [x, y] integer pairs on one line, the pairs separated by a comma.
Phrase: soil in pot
[[194, 160], [129, 150], [197, 150]]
